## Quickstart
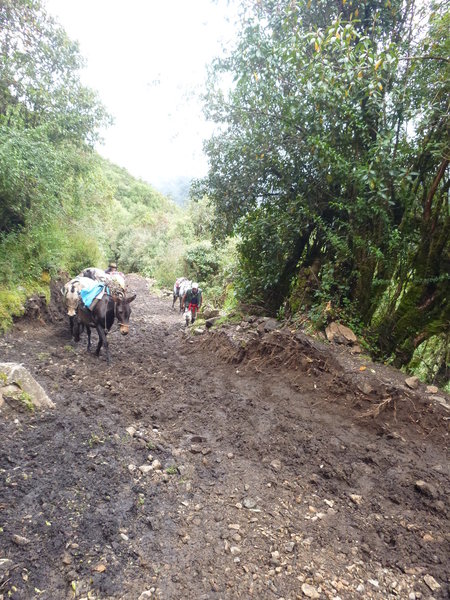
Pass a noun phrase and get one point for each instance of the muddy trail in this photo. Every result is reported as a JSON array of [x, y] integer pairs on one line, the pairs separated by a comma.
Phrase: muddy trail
[[198, 467]]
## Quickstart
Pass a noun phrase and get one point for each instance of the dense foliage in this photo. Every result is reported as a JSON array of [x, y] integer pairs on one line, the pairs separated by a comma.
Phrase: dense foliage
[[62, 207], [331, 163]]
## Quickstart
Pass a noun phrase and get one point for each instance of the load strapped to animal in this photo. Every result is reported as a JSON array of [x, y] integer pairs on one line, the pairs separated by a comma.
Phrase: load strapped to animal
[[181, 285], [95, 299], [100, 306]]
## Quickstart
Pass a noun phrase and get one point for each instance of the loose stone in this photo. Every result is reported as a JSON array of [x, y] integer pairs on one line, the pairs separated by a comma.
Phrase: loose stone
[[310, 591], [145, 469], [432, 583], [412, 382]]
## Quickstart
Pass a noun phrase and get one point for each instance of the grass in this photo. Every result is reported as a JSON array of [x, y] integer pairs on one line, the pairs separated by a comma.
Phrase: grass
[[172, 470], [11, 305], [26, 400], [94, 440]]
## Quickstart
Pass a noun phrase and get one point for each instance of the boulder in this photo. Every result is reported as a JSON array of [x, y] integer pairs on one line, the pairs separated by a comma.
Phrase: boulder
[[15, 378], [340, 334], [210, 322], [268, 324], [412, 382], [427, 489], [210, 313]]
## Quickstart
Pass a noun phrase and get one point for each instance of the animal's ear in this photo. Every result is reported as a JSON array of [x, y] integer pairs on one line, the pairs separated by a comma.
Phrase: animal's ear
[[131, 298]]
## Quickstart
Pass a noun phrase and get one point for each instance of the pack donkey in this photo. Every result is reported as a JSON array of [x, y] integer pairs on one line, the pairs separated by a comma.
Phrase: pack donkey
[[181, 285], [112, 305]]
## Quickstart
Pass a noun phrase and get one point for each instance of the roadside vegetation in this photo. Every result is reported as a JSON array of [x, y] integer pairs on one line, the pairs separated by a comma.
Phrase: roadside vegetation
[[331, 166], [327, 194], [62, 206]]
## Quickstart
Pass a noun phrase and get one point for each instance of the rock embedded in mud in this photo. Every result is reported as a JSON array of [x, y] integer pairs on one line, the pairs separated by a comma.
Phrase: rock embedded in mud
[[210, 322], [19, 540], [441, 400], [356, 498], [432, 583], [310, 591], [412, 382], [425, 488], [211, 313], [432, 389], [365, 388], [340, 334], [17, 375], [5, 564], [268, 325], [275, 558], [145, 469]]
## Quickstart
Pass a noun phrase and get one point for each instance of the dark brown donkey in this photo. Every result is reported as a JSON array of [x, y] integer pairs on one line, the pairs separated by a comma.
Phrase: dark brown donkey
[[102, 317]]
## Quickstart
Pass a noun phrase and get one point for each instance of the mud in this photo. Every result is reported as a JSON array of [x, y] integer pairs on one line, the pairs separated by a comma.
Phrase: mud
[[283, 470]]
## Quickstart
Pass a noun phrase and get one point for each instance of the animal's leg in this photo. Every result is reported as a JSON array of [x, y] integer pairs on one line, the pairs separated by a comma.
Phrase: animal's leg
[[103, 341], [100, 340], [174, 300], [71, 320], [76, 325], [88, 329]]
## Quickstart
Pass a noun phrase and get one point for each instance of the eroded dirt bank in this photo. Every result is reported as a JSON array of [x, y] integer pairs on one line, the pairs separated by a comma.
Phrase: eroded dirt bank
[[271, 482]]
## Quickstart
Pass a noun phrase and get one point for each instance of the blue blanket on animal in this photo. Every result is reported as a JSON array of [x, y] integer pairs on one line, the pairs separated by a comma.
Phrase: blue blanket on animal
[[89, 295]]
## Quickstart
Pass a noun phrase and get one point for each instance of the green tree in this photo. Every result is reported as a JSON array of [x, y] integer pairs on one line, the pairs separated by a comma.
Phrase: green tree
[[330, 140], [39, 74]]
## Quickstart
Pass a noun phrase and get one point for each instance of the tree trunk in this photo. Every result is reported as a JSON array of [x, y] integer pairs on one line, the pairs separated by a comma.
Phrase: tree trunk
[[423, 310]]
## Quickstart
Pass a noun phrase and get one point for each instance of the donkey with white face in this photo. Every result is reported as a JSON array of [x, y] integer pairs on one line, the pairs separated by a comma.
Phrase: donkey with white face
[[71, 295]]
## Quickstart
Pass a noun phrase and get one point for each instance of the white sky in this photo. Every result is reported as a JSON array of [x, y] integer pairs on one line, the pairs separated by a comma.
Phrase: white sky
[[147, 60]]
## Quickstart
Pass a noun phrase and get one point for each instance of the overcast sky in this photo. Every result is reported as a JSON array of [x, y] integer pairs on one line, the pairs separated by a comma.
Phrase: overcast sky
[[147, 60]]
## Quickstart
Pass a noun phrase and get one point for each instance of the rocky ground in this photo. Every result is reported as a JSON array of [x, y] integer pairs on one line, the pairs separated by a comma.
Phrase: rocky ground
[[244, 462]]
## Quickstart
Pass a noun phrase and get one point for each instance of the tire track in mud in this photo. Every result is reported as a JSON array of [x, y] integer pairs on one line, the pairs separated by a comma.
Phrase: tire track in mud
[[263, 488]]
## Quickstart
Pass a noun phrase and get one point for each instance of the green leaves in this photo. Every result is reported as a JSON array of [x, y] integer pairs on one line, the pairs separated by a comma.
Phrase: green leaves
[[331, 135], [39, 68]]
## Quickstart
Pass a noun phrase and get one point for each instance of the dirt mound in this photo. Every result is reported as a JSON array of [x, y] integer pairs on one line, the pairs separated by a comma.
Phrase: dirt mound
[[39, 312], [373, 393]]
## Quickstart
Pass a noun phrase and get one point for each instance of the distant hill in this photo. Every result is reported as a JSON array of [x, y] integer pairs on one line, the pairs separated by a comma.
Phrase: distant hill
[[177, 189]]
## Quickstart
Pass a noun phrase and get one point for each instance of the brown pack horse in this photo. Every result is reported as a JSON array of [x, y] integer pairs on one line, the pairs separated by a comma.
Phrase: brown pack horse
[[102, 317]]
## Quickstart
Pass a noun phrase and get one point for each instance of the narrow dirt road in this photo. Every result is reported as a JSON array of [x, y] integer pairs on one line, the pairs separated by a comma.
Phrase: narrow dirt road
[[174, 474]]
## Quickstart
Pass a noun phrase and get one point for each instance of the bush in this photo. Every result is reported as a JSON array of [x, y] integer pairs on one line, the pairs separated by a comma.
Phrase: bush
[[82, 251], [202, 261], [11, 305]]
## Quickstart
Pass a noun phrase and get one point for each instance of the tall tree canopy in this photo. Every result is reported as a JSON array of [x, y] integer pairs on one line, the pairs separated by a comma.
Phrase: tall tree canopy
[[45, 111], [39, 74], [332, 160]]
